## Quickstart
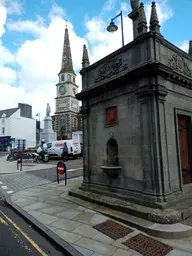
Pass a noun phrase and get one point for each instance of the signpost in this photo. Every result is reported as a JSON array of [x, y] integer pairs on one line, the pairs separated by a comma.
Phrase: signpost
[[19, 162], [61, 169]]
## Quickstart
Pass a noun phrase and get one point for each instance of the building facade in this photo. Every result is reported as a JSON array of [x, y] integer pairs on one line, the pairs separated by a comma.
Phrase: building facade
[[137, 119], [67, 116], [17, 128]]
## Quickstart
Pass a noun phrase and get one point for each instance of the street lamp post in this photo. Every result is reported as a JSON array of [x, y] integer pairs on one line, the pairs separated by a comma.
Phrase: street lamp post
[[39, 130], [113, 27], [38, 114]]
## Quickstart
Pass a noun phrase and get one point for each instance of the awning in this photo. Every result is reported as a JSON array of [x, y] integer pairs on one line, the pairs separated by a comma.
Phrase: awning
[[4, 138]]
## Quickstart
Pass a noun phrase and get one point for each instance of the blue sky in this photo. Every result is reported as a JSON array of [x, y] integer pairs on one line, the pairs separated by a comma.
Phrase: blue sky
[[31, 38]]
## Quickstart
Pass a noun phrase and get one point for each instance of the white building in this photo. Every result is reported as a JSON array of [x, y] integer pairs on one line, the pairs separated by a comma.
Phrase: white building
[[17, 128]]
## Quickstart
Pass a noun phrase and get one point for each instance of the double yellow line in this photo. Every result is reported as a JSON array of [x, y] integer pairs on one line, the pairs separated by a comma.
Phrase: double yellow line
[[22, 232]]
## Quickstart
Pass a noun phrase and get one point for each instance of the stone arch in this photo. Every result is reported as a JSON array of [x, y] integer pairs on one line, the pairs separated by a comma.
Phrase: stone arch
[[112, 152]]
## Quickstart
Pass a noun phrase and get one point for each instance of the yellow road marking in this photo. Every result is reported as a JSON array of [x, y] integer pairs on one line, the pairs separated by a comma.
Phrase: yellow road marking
[[3, 221], [25, 235]]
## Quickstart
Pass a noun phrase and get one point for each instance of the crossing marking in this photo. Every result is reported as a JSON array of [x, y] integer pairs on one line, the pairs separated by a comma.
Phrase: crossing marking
[[4, 187], [9, 192]]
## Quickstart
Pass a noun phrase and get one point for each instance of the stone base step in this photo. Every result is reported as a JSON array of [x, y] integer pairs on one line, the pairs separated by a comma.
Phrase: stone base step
[[170, 231], [163, 216]]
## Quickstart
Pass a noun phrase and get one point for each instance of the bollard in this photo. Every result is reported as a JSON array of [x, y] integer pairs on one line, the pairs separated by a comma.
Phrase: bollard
[[61, 169]]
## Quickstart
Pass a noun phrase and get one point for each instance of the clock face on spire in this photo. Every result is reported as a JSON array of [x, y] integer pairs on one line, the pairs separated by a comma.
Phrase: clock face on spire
[[62, 89]]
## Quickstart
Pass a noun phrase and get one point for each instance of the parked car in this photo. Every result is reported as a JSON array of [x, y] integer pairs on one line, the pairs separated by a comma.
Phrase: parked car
[[55, 148]]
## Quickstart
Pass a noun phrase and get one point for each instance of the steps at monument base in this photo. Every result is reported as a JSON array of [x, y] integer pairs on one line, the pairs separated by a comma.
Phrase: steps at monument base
[[163, 216], [169, 231]]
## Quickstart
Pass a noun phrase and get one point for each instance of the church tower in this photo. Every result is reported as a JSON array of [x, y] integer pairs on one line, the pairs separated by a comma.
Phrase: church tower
[[67, 106]]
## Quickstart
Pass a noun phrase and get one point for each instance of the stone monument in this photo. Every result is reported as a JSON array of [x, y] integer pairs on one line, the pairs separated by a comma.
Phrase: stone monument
[[48, 134], [137, 112]]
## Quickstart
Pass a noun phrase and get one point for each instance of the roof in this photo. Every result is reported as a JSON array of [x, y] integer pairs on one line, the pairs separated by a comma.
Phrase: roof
[[8, 112], [67, 63]]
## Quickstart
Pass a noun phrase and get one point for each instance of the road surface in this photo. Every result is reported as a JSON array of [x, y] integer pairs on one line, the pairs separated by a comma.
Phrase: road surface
[[17, 237]]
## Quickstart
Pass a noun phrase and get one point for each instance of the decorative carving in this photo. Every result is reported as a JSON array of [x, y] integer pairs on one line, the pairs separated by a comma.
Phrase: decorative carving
[[111, 116], [177, 63], [110, 68], [134, 4]]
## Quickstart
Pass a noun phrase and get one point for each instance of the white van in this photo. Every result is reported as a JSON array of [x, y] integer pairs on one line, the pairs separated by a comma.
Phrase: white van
[[55, 148]]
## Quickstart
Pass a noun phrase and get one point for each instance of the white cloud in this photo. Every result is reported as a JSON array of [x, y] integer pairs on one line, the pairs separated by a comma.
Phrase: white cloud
[[35, 28], [3, 17], [184, 45], [13, 6], [109, 5], [164, 11], [56, 11], [39, 59]]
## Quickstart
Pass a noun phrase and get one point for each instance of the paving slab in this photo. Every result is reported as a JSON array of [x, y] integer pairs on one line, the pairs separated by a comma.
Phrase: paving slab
[[49, 207]]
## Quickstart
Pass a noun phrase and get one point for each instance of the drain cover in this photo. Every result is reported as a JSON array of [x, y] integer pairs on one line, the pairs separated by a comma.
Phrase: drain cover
[[147, 246], [113, 229]]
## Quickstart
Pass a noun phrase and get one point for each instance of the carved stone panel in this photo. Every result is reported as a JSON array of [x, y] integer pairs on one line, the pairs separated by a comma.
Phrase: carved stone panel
[[178, 64], [110, 68]]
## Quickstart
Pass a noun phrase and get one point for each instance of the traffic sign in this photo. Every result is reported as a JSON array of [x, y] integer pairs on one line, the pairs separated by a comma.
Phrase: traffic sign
[[61, 169]]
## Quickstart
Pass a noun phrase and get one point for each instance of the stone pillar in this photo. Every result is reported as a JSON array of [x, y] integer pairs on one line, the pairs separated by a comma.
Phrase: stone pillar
[[134, 16], [154, 141], [190, 48], [85, 114]]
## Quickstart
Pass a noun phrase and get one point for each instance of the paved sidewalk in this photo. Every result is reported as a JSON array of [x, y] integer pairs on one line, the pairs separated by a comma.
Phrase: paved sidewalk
[[49, 207]]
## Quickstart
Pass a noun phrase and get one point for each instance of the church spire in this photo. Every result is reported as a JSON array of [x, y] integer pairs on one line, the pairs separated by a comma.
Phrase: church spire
[[67, 63]]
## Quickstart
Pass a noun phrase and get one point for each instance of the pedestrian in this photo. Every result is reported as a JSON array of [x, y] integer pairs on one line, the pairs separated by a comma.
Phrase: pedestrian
[[65, 152]]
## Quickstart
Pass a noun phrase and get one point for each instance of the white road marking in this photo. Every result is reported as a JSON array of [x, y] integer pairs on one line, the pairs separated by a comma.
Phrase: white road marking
[[71, 170], [9, 192], [1, 182], [4, 187]]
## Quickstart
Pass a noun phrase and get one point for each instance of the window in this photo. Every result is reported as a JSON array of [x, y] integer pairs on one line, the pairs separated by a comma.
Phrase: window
[[3, 130], [3, 120], [69, 77], [62, 77], [73, 79], [63, 124]]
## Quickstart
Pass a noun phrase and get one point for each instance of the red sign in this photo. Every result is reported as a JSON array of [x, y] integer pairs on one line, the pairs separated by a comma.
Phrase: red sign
[[59, 145], [61, 168], [111, 115]]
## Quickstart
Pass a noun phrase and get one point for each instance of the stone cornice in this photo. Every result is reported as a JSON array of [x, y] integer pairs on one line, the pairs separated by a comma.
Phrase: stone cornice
[[148, 69]]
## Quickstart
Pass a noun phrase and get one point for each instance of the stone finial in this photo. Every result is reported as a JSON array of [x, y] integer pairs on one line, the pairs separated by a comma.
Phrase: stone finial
[[154, 21], [190, 47], [134, 4], [85, 59], [142, 21]]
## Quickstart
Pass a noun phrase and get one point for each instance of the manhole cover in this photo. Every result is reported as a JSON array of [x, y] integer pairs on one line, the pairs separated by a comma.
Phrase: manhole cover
[[113, 229], [147, 246]]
